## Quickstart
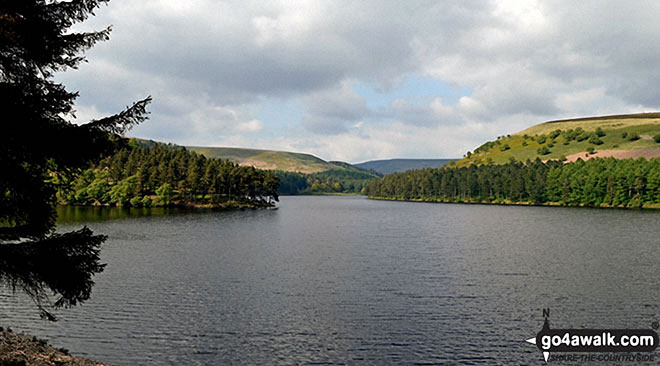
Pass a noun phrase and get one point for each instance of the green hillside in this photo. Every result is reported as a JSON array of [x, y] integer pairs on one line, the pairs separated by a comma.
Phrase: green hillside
[[267, 159], [298, 173], [619, 136]]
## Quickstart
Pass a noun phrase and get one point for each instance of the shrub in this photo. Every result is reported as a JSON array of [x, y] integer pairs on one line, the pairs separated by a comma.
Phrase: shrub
[[524, 143], [164, 195], [600, 132], [543, 150], [656, 138], [505, 147], [570, 134], [581, 137], [136, 201], [541, 139], [595, 140], [633, 137], [624, 134], [590, 149], [146, 201], [555, 133], [551, 144]]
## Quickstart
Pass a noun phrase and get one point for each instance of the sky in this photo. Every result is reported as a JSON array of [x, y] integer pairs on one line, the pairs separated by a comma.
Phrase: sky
[[363, 80]]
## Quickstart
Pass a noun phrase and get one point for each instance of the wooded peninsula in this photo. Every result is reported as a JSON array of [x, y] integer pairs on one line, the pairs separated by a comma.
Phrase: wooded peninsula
[[167, 175]]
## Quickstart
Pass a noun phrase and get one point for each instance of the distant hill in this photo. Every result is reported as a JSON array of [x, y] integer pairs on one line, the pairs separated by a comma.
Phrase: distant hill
[[401, 165], [268, 159], [619, 136], [298, 173]]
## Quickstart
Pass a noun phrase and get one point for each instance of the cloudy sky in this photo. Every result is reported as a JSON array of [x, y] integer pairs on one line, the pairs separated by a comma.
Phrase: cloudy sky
[[361, 80]]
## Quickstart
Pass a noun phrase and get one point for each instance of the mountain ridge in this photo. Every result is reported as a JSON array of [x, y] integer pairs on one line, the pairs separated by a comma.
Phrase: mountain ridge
[[397, 165]]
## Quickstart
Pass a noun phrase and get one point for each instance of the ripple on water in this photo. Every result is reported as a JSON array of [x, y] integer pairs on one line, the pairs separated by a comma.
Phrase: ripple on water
[[344, 280]]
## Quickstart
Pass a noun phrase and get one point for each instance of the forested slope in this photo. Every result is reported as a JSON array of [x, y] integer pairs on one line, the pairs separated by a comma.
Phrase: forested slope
[[598, 182], [167, 175], [336, 181]]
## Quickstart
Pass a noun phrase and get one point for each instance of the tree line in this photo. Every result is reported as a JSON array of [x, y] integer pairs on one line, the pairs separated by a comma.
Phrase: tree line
[[167, 175], [596, 182], [331, 181]]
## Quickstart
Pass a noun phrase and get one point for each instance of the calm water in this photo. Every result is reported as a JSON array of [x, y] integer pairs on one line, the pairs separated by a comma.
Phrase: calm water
[[346, 280]]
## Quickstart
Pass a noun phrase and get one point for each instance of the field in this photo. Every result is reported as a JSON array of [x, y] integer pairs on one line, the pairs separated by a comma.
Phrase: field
[[621, 136]]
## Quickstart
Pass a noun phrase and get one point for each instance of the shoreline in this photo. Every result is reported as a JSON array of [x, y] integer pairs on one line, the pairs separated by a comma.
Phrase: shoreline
[[645, 207], [231, 205], [22, 349]]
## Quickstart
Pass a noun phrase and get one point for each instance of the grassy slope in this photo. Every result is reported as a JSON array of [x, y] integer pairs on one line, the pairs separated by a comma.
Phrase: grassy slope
[[267, 159], [401, 165], [646, 125]]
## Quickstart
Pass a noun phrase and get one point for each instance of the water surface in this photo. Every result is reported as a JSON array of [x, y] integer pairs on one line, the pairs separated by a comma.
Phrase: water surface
[[346, 280]]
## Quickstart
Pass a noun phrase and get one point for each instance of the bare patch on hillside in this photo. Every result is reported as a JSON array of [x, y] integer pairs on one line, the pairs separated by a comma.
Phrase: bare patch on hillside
[[647, 152]]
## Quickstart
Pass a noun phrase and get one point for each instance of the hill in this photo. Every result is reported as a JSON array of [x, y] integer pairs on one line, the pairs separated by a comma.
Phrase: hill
[[401, 165], [619, 136], [298, 173], [267, 159]]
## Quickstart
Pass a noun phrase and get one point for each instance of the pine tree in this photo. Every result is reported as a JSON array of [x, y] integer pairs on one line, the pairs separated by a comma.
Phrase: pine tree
[[35, 42]]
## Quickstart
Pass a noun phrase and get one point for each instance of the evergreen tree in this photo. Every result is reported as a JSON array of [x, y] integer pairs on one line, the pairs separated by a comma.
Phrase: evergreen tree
[[620, 183], [35, 42]]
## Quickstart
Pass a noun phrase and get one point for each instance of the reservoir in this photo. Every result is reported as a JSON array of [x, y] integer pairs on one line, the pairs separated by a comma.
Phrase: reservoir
[[348, 280]]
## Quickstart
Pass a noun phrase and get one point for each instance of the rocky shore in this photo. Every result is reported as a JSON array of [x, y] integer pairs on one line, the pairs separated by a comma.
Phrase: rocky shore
[[23, 350]]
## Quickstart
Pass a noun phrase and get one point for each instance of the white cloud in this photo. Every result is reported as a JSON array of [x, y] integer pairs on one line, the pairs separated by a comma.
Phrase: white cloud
[[250, 126], [208, 65]]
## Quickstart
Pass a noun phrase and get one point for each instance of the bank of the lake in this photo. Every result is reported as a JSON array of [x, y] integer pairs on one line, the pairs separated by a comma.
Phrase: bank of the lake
[[24, 350], [226, 205], [646, 206]]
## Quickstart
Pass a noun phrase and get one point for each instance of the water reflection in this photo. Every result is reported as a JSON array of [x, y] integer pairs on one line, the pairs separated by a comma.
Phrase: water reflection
[[83, 214]]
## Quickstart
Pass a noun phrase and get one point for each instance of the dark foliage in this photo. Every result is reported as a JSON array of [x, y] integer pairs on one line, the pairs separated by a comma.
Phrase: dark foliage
[[61, 263], [596, 182], [162, 175], [35, 42], [330, 181]]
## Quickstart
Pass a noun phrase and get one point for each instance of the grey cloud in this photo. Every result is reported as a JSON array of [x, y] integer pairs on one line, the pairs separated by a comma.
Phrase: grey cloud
[[223, 49], [526, 59], [324, 125], [330, 111]]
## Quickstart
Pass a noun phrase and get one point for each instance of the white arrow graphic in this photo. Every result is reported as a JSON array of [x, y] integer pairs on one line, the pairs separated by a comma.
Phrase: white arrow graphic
[[545, 354]]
